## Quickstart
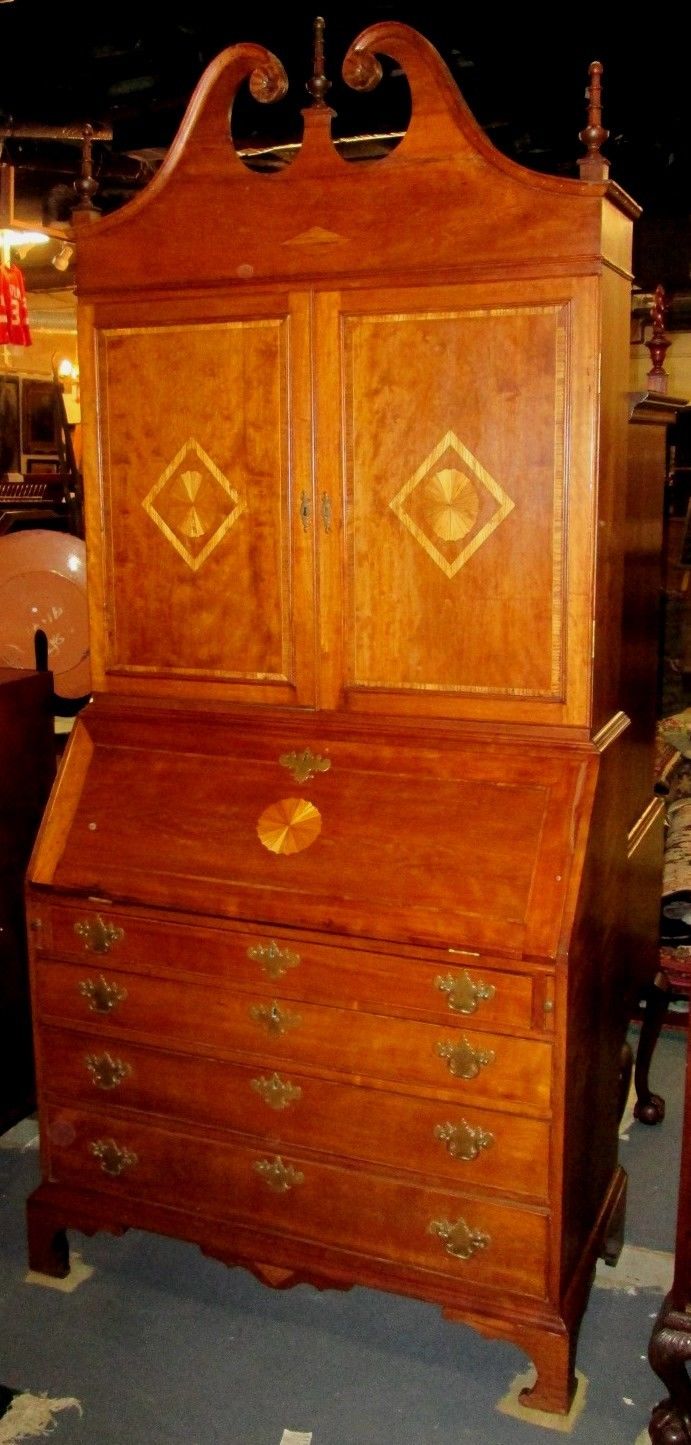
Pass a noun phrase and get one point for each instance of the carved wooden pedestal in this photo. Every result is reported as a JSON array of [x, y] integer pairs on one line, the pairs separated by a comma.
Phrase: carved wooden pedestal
[[669, 1353], [670, 1343]]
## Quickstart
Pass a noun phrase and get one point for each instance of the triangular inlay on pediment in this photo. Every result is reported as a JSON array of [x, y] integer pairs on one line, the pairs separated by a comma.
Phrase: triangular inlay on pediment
[[316, 236]]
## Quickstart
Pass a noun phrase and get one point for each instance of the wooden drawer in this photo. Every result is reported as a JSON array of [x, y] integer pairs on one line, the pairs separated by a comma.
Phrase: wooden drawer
[[484, 1149], [302, 1197], [487, 1069], [478, 993]]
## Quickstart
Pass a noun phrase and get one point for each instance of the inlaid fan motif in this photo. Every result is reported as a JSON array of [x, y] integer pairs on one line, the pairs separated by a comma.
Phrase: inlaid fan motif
[[289, 825], [193, 504], [451, 509]]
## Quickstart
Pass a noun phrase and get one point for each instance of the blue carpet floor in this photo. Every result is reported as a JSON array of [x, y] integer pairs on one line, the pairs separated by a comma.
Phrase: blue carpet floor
[[161, 1346]]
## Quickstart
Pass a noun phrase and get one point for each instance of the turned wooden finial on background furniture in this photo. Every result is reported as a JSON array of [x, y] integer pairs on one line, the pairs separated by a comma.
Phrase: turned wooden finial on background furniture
[[659, 344], [87, 185], [593, 166]]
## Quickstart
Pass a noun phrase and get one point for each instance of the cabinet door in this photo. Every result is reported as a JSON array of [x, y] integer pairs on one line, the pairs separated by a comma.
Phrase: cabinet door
[[199, 485], [456, 424]]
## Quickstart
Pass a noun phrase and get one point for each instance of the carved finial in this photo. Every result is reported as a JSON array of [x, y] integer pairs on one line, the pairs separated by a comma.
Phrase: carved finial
[[594, 166], [318, 84], [659, 344], [86, 186]]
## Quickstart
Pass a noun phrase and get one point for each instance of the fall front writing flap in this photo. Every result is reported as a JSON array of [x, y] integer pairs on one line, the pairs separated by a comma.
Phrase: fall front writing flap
[[310, 822]]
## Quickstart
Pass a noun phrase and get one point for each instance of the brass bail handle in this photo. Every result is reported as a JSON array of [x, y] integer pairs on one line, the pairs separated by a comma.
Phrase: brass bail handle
[[97, 935]]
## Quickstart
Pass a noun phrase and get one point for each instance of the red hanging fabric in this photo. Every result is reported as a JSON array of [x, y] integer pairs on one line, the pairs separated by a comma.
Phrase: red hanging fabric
[[14, 313], [4, 318]]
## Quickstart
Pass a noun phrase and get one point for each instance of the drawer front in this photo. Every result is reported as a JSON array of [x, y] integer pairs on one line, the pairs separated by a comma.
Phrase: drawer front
[[465, 1238], [488, 1069], [456, 986], [287, 1108]]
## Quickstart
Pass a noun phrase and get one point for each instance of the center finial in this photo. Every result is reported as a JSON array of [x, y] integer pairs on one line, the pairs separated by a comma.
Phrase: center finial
[[318, 84]]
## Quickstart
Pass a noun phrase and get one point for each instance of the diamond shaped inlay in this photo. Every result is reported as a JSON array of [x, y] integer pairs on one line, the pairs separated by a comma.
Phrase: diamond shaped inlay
[[193, 504], [454, 506]]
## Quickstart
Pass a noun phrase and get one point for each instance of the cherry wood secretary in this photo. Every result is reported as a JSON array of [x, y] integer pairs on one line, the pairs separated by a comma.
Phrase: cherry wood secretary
[[330, 904]]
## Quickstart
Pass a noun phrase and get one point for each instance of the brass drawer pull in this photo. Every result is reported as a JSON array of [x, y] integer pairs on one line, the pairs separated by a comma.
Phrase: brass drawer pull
[[106, 1072], [112, 1159], [275, 961], [463, 995], [278, 1093], [304, 765], [275, 1020], [279, 1176], [98, 936], [102, 996], [459, 1239], [462, 1141], [464, 1061]]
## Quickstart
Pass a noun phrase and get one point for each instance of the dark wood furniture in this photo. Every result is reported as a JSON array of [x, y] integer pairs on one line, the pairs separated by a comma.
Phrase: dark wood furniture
[[27, 769], [40, 483], [670, 1343], [39, 499], [651, 416], [330, 909]]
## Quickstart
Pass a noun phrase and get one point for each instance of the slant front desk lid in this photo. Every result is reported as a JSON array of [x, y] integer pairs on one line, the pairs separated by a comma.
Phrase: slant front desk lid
[[430, 836]]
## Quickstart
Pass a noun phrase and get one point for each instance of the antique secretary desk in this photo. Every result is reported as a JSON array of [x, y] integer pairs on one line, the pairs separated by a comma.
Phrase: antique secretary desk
[[329, 910]]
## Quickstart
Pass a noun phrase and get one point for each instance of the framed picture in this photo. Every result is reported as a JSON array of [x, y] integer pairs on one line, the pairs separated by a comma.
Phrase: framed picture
[[10, 450], [40, 428]]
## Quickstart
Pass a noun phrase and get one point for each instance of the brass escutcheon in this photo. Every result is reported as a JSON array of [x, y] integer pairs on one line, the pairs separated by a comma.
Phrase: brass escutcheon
[[98, 936], [112, 1159], [275, 1020], [275, 961], [304, 765], [462, 1140], [459, 1239], [463, 995], [102, 996], [106, 1072], [279, 1176], [464, 1061], [305, 511], [278, 1093]]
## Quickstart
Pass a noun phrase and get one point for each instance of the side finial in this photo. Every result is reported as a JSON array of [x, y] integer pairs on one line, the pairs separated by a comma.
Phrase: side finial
[[659, 344], [593, 166], [318, 84]]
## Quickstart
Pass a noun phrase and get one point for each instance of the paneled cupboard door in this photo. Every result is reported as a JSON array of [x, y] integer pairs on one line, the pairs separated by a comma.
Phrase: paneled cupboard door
[[203, 458], [457, 579], [365, 499]]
